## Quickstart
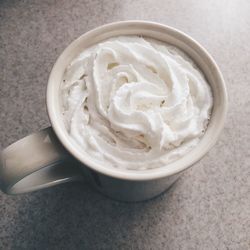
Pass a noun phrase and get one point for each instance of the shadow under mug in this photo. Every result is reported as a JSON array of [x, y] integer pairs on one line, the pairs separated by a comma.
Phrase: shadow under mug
[[50, 157]]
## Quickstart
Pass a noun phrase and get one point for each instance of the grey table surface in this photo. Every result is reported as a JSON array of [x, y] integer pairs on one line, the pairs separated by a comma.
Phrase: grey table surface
[[209, 206]]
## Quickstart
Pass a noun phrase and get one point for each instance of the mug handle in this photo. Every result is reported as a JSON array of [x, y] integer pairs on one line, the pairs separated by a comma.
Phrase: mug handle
[[35, 162]]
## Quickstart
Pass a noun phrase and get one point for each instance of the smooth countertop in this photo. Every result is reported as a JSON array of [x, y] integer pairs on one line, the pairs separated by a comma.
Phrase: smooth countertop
[[207, 208]]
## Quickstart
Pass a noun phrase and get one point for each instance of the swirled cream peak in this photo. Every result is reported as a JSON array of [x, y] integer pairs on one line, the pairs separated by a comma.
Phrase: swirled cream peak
[[135, 103]]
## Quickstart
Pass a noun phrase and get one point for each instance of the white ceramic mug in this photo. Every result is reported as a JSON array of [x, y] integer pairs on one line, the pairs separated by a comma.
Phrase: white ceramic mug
[[50, 157]]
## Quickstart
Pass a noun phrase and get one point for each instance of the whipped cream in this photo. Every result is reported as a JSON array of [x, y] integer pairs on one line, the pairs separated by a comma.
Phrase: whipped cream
[[135, 103]]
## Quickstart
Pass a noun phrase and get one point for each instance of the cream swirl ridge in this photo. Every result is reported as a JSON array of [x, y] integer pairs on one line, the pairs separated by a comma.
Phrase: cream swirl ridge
[[135, 103]]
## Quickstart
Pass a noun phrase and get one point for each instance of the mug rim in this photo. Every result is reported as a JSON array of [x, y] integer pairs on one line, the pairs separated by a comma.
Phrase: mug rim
[[169, 169]]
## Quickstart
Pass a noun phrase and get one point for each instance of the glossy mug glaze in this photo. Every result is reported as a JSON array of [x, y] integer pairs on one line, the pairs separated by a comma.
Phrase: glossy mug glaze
[[50, 157]]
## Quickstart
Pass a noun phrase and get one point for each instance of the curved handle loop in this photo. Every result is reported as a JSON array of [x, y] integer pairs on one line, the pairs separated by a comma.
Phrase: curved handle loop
[[35, 162]]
